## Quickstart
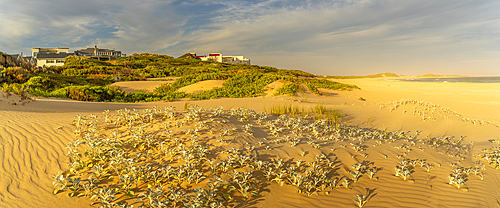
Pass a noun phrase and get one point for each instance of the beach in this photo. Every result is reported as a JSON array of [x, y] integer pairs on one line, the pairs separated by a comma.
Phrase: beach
[[34, 134]]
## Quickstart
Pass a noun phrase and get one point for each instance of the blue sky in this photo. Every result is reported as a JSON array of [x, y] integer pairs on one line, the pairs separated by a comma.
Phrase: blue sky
[[350, 37]]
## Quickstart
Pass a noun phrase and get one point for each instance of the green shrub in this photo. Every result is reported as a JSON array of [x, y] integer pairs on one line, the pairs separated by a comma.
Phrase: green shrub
[[247, 85], [173, 95], [13, 87], [14, 75], [214, 93], [314, 84], [99, 79], [40, 83], [287, 89], [94, 93], [163, 89], [138, 96], [153, 71], [59, 93], [82, 94]]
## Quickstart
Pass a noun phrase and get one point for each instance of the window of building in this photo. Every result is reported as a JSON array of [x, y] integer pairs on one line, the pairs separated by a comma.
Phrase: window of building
[[50, 61], [59, 61]]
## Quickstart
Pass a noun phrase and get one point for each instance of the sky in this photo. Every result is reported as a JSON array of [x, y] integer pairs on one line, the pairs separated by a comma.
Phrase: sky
[[349, 37]]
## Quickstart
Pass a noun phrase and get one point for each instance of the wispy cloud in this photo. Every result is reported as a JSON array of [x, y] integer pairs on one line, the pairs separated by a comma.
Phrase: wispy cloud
[[325, 37]]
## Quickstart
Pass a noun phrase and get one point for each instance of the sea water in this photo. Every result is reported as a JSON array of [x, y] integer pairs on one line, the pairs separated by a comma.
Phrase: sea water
[[453, 79]]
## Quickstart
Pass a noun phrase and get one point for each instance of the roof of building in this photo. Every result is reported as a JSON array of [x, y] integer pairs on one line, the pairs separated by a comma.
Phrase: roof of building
[[91, 50], [189, 56], [54, 55], [53, 48]]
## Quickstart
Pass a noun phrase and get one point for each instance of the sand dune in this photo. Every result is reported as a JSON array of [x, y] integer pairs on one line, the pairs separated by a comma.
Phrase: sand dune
[[271, 88], [201, 86], [34, 136], [133, 86]]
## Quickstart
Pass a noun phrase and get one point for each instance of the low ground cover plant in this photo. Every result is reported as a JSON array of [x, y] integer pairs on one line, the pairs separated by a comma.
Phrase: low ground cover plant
[[212, 158], [162, 158]]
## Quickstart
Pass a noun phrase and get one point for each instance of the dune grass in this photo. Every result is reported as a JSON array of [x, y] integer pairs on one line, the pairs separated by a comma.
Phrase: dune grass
[[317, 112]]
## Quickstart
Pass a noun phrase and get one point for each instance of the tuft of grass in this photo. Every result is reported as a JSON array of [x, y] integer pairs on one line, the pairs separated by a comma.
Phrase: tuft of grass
[[317, 112], [370, 119], [187, 105]]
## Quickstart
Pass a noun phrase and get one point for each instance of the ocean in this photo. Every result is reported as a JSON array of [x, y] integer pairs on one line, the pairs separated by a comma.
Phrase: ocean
[[453, 79]]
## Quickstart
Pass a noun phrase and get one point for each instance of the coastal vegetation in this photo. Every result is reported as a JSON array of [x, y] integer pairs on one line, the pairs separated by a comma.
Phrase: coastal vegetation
[[196, 157], [122, 160], [87, 79], [318, 112]]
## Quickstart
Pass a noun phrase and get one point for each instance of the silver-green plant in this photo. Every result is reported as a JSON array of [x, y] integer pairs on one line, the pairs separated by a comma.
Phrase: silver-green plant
[[153, 198], [126, 183], [280, 175], [361, 200], [244, 183], [175, 195], [105, 195], [75, 185], [371, 172], [89, 187], [60, 183]]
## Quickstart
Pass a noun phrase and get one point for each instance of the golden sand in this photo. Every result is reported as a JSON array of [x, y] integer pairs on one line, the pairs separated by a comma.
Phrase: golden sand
[[34, 135], [201, 86]]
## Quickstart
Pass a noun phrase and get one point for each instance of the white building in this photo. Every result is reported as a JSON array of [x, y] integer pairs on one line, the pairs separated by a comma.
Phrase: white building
[[226, 59], [235, 59], [50, 56], [55, 56], [51, 59], [57, 50], [99, 53]]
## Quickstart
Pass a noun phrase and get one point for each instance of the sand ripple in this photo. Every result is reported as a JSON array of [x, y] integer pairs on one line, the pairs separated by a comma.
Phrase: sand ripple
[[32, 151]]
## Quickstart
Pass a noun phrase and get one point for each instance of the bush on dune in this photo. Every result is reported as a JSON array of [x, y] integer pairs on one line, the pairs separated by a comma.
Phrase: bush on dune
[[287, 89], [247, 85], [314, 84], [94, 93], [14, 75], [86, 79]]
